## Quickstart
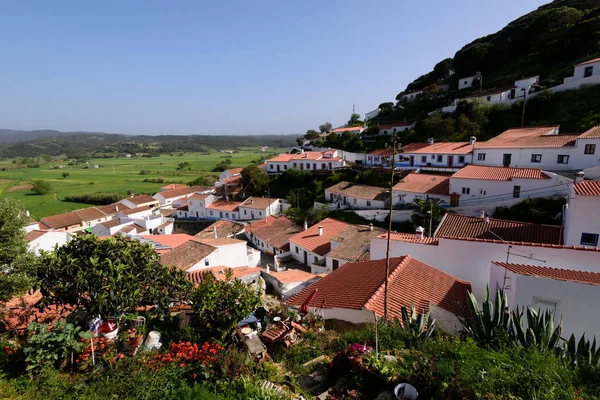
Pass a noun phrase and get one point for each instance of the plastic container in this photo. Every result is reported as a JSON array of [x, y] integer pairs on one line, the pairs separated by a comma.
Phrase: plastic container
[[152, 340]]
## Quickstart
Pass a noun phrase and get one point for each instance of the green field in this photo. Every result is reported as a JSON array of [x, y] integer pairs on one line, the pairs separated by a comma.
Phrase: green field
[[113, 175]]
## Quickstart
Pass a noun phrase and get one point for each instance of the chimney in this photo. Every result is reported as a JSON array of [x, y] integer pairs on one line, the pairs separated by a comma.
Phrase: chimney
[[215, 231], [301, 151], [579, 177], [117, 208], [472, 140], [320, 230], [486, 218], [420, 232], [251, 201], [371, 226], [482, 214], [430, 140], [305, 225]]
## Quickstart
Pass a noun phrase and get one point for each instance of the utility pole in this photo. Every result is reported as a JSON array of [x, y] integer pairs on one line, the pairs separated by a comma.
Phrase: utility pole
[[524, 101], [430, 217], [387, 257]]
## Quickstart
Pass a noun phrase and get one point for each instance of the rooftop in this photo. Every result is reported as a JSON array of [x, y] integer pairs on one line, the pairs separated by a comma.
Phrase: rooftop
[[587, 188], [112, 209], [321, 245], [410, 238], [224, 229], [234, 171], [275, 231], [165, 242], [348, 129], [222, 241], [360, 191], [169, 194], [36, 234], [219, 273], [140, 199], [187, 255], [111, 223], [361, 286], [592, 133], [173, 186], [260, 203], [594, 60], [224, 205], [424, 183], [588, 278], [198, 196], [293, 276], [456, 226], [138, 210], [354, 243], [201, 188], [499, 173], [395, 124], [61, 220], [439, 148], [382, 152], [90, 214], [306, 156], [532, 137]]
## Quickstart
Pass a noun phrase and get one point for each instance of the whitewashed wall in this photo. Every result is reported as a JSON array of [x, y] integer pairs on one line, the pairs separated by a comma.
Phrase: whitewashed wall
[[581, 216]]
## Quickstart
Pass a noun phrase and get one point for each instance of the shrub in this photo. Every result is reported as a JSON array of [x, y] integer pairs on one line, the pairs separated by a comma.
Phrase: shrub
[[41, 187], [95, 198], [145, 172]]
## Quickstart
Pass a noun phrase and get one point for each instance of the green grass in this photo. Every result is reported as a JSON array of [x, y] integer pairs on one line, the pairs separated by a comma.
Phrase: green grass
[[117, 175]]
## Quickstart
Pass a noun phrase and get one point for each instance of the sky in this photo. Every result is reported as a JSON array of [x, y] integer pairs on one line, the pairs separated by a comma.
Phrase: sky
[[223, 67]]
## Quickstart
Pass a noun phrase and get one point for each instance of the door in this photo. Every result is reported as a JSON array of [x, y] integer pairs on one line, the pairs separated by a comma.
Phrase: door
[[345, 200], [302, 166], [330, 166], [305, 258], [412, 161], [252, 214], [506, 160], [450, 160], [454, 199], [277, 167], [314, 167], [336, 264], [517, 192], [512, 93]]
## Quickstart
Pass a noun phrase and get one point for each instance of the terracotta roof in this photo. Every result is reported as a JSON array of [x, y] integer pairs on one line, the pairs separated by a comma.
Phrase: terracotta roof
[[133, 211], [438, 148], [61, 220], [293, 275], [201, 188], [360, 286], [354, 243], [222, 241], [306, 156], [111, 223], [410, 238], [111, 209], [498, 173], [348, 129], [175, 193], [587, 188], [321, 245], [197, 196], [594, 60], [20, 311], [261, 203], [234, 171], [233, 180], [219, 273], [382, 152], [187, 255], [456, 226], [424, 183], [36, 234], [490, 91], [224, 205], [533, 137], [395, 124], [275, 231], [141, 199], [173, 186], [224, 229], [183, 208], [90, 214], [360, 191], [560, 274], [172, 241], [133, 228], [165, 224], [592, 133]]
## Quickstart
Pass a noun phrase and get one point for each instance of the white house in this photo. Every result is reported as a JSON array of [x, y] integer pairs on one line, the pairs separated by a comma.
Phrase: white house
[[378, 158], [230, 173], [221, 208], [74, 221], [39, 241], [312, 245], [431, 155], [570, 294], [172, 186], [476, 184], [111, 227], [362, 197], [272, 235], [259, 207], [466, 82], [288, 282], [421, 186], [305, 160], [355, 292], [135, 213], [582, 220], [350, 245], [222, 228], [411, 96], [142, 200], [400, 126], [585, 73], [371, 114], [196, 206], [170, 197]]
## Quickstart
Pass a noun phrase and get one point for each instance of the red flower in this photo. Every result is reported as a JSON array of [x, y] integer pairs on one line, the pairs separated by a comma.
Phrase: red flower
[[182, 365]]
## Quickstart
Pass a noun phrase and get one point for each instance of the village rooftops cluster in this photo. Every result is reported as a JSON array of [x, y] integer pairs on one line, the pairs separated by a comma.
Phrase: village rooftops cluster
[[499, 173], [424, 183], [353, 243], [537, 137], [360, 191]]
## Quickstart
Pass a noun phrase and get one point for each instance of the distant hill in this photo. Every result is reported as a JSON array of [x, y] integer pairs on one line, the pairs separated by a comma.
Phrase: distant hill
[[13, 136]]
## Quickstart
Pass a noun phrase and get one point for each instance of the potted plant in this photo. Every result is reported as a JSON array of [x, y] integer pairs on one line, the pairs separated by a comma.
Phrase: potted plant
[[355, 353]]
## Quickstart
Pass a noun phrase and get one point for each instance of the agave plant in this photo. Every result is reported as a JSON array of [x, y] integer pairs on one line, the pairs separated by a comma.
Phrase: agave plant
[[582, 352], [419, 324], [492, 320], [540, 331]]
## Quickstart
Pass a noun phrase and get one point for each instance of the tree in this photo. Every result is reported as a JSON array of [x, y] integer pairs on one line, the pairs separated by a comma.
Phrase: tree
[[41, 187], [422, 211], [436, 126], [311, 134], [255, 180], [355, 120], [326, 127], [300, 141], [105, 277], [65, 175], [15, 258], [222, 166], [432, 92], [220, 305]]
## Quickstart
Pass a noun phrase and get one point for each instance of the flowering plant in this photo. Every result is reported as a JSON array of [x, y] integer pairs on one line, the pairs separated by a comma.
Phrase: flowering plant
[[104, 351], [357, 350], [185, 353]]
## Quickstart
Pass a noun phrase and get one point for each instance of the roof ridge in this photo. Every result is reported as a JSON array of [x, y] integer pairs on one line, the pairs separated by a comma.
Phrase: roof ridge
[[397, 269]]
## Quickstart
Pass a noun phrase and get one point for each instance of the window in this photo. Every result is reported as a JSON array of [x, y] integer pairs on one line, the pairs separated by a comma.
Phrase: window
[[588, 71], [245, 212], [489, 98], [285, 166], [439, 158], [481, 157], [517, 192], [562, 159], [206, 262], [433, 157], [461, 159], [385, 132], [316, 259], [227, 215], [260, 213], [297, 250], [589, 149], [589, 239], [336, 264], [211, 213], [466, 190], [482, 192], [465, 82], [294, 165], [423, 159], [543, 305], [271, 166], [368, 203], [536, 158]]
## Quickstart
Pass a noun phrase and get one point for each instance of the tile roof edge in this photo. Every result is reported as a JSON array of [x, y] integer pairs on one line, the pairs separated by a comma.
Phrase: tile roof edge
[[403, 262]]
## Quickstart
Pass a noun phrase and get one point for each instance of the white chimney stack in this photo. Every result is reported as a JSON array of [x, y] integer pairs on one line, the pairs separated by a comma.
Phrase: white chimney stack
[[215, 231], [420, 232], [579, 177], [320, 230], [305, 225], [301, 151], [371, 226], [472, 140], [430, 140], [486, 218], [117, 208], [482, 214]]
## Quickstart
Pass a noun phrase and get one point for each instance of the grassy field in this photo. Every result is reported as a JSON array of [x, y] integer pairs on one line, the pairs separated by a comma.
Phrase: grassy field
[[113, 175]]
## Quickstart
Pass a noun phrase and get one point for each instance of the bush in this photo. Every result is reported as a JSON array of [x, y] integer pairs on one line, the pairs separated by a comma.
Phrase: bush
[[95, 198], [145, 172], [542, 210], [41, 187]]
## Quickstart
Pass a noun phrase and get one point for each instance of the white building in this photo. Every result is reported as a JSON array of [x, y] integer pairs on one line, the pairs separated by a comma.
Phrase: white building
[[350, 245], [379, 158], [475, 184], [400, 126], [585, 73], [229, 173], [306, 161], [448, 156], [142, 200], [260, 207], [39, 241], [582, 221], [362, 197], [272, 235], [421, 186], [412, 96], [371, 114], [170, 197], [570, 294], [466, 82], [196, 206]]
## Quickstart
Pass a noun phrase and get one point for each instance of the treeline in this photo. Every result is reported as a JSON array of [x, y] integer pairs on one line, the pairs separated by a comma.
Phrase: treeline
[[95, 198]]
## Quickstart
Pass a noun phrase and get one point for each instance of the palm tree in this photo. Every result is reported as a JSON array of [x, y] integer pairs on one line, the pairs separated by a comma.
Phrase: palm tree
[[355, 120], [427, 213]]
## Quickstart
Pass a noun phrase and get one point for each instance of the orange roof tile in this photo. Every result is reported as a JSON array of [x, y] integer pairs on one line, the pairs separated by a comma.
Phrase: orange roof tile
[[456, 226], [306, 156], [410, 237], [20, 311], [587, 188], [438, 148], [382, 152], [424, 183], [360, 191], [395, 124], [224, 229], [169, 194], [111, 209], [61, 220], [173, 186], [594, 60], [222, 241], [36, 234], [592, 133], [219, 273], [531, 137], [133, 211], [174, 240], [348, 129], [261, 203], [111, 223], [354, 243], [361, 286], [321, 245], [224, 205], [201, 188], [141, 199], [498, 173], [234, 171], [187, 255], [275, 231], [90, 214], [197, 196], [588, 278], [293, 275]]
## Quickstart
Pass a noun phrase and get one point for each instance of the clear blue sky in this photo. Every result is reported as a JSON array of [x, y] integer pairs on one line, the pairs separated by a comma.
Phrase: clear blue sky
[[237, 67]]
